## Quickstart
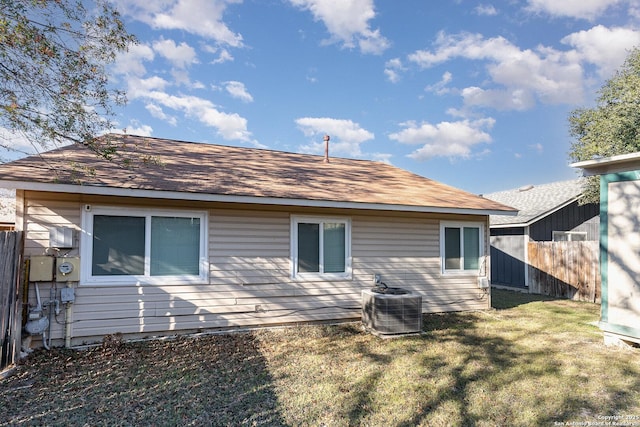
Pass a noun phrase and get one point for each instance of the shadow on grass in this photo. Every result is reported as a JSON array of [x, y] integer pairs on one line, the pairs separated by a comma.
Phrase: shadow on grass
[[217, 380], [479, 357], [473, 367], [502, 299]]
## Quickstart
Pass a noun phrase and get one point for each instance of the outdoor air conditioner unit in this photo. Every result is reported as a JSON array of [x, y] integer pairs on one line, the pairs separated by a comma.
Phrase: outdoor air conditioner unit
[[393, 313]]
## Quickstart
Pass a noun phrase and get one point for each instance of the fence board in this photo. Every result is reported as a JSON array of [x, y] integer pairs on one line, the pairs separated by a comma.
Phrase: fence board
[[10, 318], [565, 269]]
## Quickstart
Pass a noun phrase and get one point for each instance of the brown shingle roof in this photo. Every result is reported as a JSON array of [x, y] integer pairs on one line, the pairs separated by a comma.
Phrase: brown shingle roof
[[208, 169]]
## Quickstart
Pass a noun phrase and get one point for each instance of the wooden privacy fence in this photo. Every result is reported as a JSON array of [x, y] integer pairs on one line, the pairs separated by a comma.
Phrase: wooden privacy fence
[[565, 269], [10, 305]]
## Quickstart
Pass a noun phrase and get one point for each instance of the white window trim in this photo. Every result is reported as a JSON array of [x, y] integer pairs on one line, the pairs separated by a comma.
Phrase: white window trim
[[569, 235], [481, 253], [86, 246], [295, 220]]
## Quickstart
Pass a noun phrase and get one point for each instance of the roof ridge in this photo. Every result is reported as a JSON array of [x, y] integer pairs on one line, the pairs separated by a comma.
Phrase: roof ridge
[[259, 149]]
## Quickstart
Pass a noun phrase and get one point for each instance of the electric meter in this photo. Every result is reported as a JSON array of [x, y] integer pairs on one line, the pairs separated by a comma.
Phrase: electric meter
[[65, 268]]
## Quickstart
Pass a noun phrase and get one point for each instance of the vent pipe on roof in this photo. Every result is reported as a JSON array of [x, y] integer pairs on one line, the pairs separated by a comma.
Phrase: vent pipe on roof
[[326, 148]]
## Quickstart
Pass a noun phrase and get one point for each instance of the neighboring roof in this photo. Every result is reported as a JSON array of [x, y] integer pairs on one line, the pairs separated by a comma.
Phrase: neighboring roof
[[7, 206], [195, 171], [619, 163], [534, 202]]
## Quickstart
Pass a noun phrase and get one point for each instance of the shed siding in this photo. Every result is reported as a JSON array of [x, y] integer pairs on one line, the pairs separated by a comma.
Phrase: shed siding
[[623, 256], [572, 217], [508, 257], [250, 280]]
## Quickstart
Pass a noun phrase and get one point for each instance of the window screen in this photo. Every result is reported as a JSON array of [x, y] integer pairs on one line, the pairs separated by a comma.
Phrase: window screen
[[334, 248], [175, 245], [471, 248], [118, 245], [308, 248], [452, 248]]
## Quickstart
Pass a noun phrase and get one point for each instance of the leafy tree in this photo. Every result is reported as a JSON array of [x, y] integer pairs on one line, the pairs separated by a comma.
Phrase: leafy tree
[[54, 87], [613, 126]]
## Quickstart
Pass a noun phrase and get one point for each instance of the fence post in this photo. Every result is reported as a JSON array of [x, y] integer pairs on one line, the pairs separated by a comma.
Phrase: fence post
[[10, 297]]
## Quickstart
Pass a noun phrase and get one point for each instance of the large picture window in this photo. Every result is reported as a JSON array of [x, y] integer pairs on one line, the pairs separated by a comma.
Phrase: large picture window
[[131, 245], [321, 247], [461, 247]]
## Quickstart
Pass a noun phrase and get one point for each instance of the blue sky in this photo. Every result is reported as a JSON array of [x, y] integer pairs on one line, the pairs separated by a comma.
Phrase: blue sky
[[470, 93]]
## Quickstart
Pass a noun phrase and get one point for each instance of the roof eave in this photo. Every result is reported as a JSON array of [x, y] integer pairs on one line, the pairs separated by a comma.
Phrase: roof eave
[[206, 197], [537, 217], [607, 164]]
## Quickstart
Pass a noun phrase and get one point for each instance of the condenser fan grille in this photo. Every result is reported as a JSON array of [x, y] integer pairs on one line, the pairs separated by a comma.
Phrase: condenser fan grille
[[389, 314]]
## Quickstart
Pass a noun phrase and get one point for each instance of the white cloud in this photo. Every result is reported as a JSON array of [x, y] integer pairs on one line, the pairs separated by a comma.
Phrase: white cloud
[[228, 126], [348, 22], [201, 17], [138, 88], [546, 74], [238, 91], [382, 157], [135, 128], [516, 99], [392, 69], [182, 77], [445, 139], [132, 61], [440, 87], [346, 136], [180, 56], [223, 56], [604, 47], [465, 45], [520, 78], [585, 9], [157, 112], [486, 10]]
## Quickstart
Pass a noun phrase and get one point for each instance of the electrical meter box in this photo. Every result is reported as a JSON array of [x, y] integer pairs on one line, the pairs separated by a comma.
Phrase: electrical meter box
[[67, 269], [61, 237], [41, 269]]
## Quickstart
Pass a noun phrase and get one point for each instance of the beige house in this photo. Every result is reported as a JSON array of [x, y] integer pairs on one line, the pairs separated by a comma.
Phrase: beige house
[[176, 237]]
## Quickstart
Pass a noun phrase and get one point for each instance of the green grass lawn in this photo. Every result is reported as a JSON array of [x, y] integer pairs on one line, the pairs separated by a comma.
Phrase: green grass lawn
[[530, 361]]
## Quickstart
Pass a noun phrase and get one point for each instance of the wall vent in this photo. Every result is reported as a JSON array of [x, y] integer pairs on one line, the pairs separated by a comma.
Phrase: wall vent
[[391, 314]]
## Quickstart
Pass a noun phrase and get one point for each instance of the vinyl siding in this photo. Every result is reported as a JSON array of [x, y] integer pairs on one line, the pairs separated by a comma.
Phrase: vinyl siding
[[250, 281]]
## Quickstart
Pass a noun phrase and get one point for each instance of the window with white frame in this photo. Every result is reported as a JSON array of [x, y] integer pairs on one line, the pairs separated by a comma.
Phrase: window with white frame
[[461, 247], [321, 247], [569, 236], [143, 245]]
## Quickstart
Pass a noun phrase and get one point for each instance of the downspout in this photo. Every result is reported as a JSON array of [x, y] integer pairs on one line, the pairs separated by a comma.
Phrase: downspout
[[526, 256]]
